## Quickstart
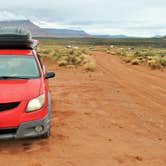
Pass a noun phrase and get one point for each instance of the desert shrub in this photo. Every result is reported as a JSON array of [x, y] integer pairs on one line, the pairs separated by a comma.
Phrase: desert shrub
[[90, 66], [123, 53], [46, 51], [62, 63], [85, 51], [154, 57], [70, 57], [140, 58], [128, 59], [154, 65], [135, 61], [108, 48], [66, 57], [162, 54], [71, 52], [89, 63], [113, 53], [137, 54], [154, 62], [149, 53], [119, 52], [149, 57], [163, 61]]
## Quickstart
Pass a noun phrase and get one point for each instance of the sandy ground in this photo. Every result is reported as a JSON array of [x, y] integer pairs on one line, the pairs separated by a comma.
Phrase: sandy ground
[[115, 116]]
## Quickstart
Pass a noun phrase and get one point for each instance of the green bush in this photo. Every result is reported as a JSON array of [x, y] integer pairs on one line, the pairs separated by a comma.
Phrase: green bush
[[137, 54], [46, 51], [128, 59], [123, 53], [163, 61], [149, 53], [154, 63]]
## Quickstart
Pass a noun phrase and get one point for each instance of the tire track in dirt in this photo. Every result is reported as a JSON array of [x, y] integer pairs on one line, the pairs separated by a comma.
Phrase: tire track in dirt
[[137, 83], [144, 97]]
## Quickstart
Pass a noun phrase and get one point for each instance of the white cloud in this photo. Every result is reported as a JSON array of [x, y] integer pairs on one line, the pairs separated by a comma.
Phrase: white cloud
[[7, 15], [45, 24], [131, 17]]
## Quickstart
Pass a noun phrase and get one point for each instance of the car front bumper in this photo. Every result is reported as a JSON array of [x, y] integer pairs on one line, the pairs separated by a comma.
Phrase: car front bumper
[[28, 129]]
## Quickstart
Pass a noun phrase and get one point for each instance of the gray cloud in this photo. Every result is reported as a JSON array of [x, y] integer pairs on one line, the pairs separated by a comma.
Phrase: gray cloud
[[138, 17]]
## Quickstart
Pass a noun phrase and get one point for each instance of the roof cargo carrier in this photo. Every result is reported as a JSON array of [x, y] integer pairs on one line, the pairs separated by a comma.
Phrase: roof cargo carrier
[[16, 38]]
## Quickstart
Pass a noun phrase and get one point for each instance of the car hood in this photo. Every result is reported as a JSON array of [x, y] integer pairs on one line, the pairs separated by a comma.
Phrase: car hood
[[19, 90]]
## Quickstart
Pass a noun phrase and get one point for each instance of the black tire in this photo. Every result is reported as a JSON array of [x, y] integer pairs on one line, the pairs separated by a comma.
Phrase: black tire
[[46, 135]]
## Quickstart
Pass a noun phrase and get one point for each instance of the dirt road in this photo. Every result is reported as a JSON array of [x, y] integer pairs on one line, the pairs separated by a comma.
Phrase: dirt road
[[112, 117]]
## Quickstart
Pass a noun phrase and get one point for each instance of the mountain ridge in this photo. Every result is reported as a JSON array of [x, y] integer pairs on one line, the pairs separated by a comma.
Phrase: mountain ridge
[[37, 31], [66, 32], [26, 24]]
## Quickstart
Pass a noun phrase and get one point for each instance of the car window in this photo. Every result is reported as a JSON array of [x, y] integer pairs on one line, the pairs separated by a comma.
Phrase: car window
[[18, 66]]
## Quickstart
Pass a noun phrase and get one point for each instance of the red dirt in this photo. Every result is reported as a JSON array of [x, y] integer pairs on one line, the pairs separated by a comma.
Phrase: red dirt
[[112, 117]]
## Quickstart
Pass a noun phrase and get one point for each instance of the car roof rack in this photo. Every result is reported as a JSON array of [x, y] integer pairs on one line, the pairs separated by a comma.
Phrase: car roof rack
[[16, 38]]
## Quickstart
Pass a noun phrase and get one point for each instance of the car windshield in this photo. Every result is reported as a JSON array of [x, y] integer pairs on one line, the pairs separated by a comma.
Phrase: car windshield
[[18, 66]]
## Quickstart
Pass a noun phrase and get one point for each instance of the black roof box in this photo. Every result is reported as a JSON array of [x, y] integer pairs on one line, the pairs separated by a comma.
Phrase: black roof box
[[15, 38]]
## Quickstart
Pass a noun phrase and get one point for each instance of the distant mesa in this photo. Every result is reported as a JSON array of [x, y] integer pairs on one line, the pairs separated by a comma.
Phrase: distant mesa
[[59, 33], [111, 36], [28, 25], [43, 32], [66, 32]]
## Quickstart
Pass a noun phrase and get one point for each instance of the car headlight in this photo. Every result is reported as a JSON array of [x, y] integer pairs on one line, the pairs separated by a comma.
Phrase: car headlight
[[36, 103]]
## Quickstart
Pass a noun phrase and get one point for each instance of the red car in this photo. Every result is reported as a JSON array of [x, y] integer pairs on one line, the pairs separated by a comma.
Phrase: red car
[[25, 101]]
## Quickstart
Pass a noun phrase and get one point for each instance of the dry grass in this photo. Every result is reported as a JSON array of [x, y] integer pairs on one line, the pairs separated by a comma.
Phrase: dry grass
[[155, 58], [89, 63], [69, 56]]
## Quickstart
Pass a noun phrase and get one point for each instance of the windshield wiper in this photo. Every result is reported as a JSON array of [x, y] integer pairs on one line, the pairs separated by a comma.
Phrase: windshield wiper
[[12, 77]]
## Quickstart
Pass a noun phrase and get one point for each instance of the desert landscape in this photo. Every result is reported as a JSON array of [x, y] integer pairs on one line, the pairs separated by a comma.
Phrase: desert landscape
[[106, 110]]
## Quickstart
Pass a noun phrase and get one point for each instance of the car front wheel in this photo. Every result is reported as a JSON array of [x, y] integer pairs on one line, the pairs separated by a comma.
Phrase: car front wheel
[[46, 135]]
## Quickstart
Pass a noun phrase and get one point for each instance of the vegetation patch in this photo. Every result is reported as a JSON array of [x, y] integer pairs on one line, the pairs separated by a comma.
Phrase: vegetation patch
[[69, 56], [155, 58]]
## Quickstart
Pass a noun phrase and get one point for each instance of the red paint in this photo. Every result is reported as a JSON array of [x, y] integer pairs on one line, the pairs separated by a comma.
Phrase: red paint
[[16, 52]]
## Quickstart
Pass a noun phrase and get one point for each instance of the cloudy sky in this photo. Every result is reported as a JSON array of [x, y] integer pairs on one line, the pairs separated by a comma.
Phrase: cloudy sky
[[129, 17]]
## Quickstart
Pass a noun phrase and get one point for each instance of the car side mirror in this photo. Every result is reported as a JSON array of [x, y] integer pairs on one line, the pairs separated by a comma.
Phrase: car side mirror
[[49, 74]]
